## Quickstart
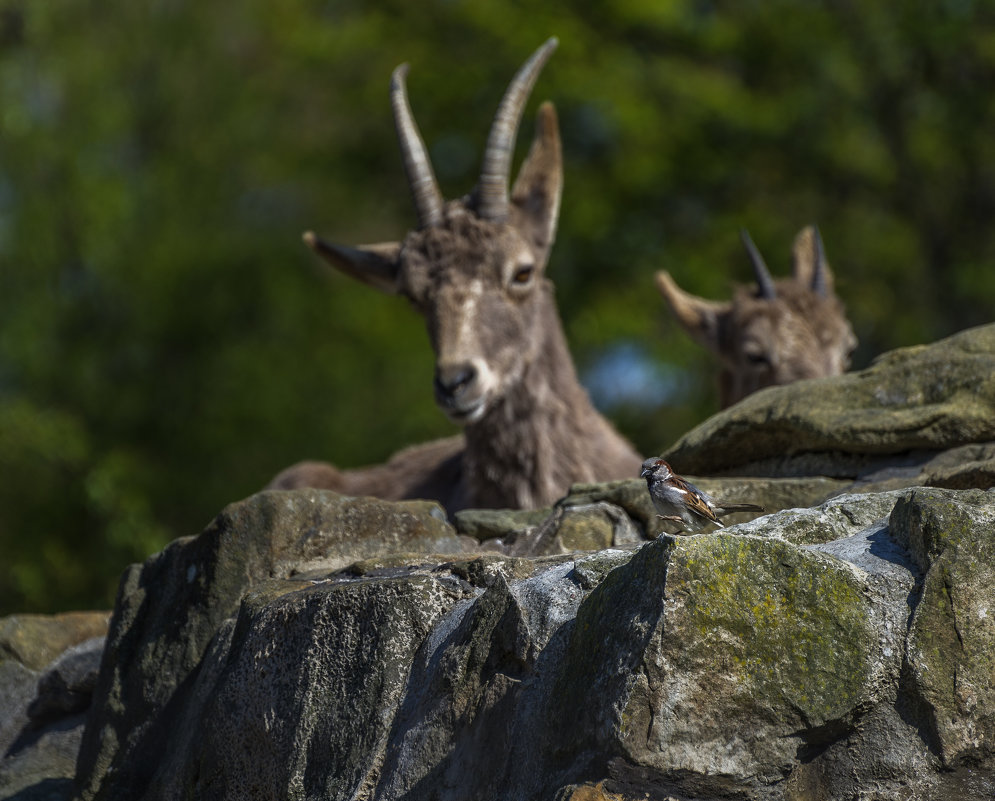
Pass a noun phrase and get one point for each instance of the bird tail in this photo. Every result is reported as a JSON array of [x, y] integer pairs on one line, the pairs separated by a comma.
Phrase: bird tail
[[741, 507]]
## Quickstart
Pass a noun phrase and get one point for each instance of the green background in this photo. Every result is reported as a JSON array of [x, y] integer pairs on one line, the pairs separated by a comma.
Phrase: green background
[[167, 343]]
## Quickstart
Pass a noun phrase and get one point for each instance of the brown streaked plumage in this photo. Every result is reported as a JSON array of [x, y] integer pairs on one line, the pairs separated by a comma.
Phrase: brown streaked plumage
[[681, 501]]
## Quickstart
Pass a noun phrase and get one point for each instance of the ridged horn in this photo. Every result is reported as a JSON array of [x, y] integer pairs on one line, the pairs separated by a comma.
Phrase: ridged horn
[[494, 174], [819, 283], [417, 166], [760, 271]]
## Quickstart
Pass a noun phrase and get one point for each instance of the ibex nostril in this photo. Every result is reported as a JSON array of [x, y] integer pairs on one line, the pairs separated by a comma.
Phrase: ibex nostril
[[452, 381]]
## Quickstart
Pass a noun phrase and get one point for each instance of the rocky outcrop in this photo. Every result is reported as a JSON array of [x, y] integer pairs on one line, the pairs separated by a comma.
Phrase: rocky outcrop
[[171, 610], [820, 653], [308, 644], [921, 415], [951, 640], [619, 513], [48, 668]]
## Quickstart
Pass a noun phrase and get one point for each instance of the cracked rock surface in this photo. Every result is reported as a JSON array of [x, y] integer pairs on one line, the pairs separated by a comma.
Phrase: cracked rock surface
[[815, 653]]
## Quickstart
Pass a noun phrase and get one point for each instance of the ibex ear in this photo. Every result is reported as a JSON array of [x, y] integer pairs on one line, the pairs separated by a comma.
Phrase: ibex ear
[[699, 317], [376, 265], [808, 262], [535, 197]]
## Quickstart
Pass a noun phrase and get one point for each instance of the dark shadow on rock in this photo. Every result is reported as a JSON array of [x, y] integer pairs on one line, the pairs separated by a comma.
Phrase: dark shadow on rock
[[479, 698], [883, 545], [816, 739], [637, 781], [154, 740], [605, 646], [874, 550], [45, 790], [466, 690], [31, 733], [915, 710]]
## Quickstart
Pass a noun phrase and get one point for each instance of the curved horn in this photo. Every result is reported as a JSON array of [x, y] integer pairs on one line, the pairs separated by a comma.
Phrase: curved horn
[[819, 284], [418, 168], [493, 188], [760, 271]]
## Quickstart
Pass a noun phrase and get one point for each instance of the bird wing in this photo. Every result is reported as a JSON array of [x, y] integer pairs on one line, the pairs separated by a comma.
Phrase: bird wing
[[697, 501]]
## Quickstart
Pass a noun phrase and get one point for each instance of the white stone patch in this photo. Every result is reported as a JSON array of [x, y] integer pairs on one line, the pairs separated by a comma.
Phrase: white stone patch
[[552, 599], [442, 629]]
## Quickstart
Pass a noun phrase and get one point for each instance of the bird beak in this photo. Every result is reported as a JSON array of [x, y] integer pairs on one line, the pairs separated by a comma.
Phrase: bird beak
[[645, 472]]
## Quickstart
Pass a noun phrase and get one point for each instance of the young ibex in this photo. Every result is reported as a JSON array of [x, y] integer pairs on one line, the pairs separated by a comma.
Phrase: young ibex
[[776, 333], [474, 269]]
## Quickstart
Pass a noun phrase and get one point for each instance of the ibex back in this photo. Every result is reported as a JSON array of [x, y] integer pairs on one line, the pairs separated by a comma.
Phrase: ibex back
[[776, 333], [474, 268]]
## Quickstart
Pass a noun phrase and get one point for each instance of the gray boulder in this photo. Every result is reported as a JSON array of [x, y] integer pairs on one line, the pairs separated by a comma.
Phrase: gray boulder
[[813, 653], [48, 668], [619, 513], [951, 641], [893, 424], [178, 606]]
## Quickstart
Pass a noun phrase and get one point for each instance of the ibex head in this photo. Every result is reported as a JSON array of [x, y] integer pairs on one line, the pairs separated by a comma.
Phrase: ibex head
[[774, 333], [474, 266]]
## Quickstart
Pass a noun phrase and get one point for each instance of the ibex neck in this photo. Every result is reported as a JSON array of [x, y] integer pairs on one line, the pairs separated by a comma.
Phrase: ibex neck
[[543, 436]]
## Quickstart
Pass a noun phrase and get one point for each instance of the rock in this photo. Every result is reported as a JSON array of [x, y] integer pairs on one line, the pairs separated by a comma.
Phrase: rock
[[182, 602], [833, 521], [903, 411], [808, 654], [490, 524], [966, 467], [620, 513], [774, 494], [304, 674], [600, 792], [35, 640], [48, 666], [66, 687], [727, 657], [952, 636]]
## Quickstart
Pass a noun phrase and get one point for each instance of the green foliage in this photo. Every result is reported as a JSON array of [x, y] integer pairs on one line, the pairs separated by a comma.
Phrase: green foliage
[[167, 344]]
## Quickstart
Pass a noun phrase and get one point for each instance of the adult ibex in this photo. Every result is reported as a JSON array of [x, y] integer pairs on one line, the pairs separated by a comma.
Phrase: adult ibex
[[774, 333], [474, 269]]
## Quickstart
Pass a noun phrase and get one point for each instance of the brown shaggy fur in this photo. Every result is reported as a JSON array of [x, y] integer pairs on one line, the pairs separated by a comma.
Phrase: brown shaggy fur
[[800, 333], [530, 428]]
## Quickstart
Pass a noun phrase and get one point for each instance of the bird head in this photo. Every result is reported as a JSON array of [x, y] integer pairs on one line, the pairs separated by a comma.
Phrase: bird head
[[657, 467]]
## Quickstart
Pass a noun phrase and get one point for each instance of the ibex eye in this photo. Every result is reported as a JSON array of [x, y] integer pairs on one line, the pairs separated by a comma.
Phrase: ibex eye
[[523, 274]]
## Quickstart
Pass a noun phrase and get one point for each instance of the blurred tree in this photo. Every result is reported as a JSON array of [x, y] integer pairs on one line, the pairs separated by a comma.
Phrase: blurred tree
[[166, 343]]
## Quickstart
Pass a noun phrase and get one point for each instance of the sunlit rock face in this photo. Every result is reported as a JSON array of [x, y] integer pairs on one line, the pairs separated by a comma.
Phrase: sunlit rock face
[[309, 644], [919, 415], [803, 654]]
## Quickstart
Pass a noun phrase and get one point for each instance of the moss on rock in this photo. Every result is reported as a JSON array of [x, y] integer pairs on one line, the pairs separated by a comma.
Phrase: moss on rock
[[735, 644], [794, 635], [926, 398]]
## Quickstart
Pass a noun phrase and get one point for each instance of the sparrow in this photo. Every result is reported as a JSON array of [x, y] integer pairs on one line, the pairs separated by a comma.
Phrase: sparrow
[[679, 500]]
